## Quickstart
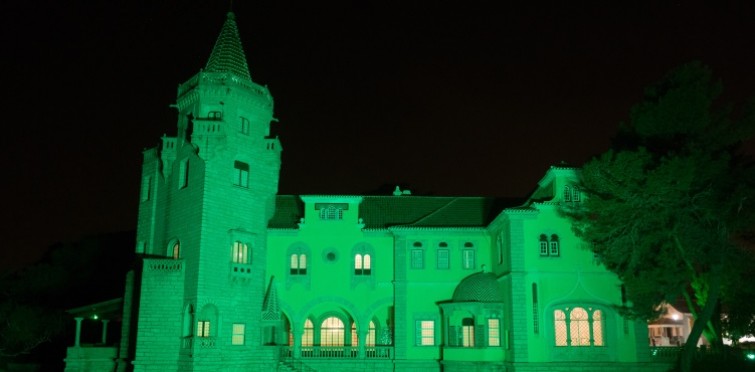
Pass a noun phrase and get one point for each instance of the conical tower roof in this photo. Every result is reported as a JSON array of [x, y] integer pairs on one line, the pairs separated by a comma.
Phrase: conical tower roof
[[228, 54]]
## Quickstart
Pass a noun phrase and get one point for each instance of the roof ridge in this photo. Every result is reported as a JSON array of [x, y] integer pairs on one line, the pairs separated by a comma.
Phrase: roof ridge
[[228, 53]]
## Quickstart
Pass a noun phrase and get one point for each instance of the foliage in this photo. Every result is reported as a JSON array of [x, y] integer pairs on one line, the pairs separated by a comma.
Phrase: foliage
[[671, 205], [33, 300]]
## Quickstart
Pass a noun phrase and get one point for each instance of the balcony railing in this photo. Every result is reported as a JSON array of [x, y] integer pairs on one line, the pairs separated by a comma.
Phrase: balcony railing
[[339, 352], [665, 352]]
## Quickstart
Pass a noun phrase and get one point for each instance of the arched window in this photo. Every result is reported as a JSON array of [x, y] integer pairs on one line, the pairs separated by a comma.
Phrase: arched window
[[576, 194], [555, 250], [241, 174], [188, 321], [549, 247], [331, 332], [567, 193], [298, 264], [308, 337], [543, 245], [370, 341], [467, 332], [207, 321], [362, 264], [578, 327], [175, 250]]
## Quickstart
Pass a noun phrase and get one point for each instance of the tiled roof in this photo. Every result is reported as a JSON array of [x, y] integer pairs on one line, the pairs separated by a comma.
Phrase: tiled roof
[[228, 54], [478, 287], [411, 211]]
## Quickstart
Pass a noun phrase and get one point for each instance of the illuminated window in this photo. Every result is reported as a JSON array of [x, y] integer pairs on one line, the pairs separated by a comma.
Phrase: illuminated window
[[362, 264], [240, 253], [308, 338], [418, 259], [241, 174], [425, 333], [244, 126], [175, 250], [467, 259], [298, 264], [371, 334], [203, 328], [494, 332], [183, 173], [331, 332], [578, 327], [237, 338], [215, 115], [467, 332], [441, 256]]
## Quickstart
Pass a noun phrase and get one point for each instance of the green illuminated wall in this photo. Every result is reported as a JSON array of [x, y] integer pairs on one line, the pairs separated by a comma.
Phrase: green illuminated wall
[[442, 270]]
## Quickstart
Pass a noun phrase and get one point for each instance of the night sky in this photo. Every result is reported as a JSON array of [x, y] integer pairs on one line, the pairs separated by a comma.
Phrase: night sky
[[450, 100]]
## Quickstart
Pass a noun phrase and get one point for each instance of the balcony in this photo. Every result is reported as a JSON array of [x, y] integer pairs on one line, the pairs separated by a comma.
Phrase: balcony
[[339, 352]]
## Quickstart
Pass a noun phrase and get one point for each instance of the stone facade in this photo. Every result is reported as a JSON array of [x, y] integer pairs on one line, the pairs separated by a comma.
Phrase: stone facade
[[235, 277]]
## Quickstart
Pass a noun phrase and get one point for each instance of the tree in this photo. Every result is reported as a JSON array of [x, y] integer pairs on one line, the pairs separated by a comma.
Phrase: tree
[[670, 207]]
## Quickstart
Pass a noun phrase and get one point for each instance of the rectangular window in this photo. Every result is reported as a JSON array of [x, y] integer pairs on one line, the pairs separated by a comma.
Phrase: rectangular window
[[442, 258], [240, 253], [241, 175], [554, 249], [146, 187], [203, 328], [237, 338], [418, 259], [425, 333], [215, 115], [494, 332], [467, 336], [543, 248], [467, 259], [183, 173]]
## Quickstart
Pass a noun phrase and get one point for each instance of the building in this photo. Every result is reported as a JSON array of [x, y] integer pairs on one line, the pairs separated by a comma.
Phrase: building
[[238, 278]]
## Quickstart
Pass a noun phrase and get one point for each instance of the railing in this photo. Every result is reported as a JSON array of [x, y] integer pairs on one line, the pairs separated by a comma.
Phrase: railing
[[665, 352], [339, 352], [165, 265], [205, 342], [379, 352]]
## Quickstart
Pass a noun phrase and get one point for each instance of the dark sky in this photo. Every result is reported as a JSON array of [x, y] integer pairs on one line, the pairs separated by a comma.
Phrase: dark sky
[[450, 100]]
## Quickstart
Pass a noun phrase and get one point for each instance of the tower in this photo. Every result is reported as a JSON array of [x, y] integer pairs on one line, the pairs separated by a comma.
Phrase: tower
[[207, 196]]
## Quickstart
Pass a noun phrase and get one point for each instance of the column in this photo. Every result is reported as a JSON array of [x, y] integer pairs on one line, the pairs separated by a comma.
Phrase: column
[[362, 335], [77, 343], [104, 330], [298, 333]]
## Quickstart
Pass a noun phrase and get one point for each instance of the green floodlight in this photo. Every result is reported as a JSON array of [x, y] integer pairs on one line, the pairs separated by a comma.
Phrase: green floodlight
[[750, 355]]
